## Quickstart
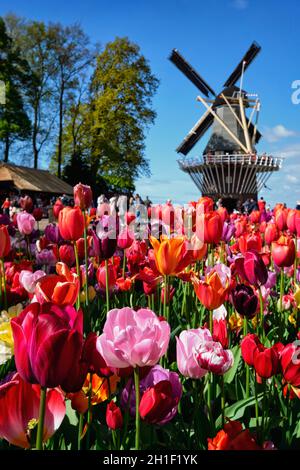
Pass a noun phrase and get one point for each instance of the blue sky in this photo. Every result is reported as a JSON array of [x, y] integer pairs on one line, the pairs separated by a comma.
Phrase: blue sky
[[212, 35]]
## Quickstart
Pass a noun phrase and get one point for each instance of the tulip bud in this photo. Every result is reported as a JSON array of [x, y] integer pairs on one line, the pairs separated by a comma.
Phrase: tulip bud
[[249, 345], [266, 362], [271, 233], [283, 252], [4, 241], [220, 332], [37, 213], [67, 255], [26, 223], [83, 196], [58, 206], [114, 418], [71, 223]]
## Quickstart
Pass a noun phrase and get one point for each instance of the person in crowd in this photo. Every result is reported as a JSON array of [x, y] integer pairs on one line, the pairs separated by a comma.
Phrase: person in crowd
[[5, 206], [261, 204], [147, 202]]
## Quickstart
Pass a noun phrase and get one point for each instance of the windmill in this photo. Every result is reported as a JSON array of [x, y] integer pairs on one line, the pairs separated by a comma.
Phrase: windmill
[[230, 167]]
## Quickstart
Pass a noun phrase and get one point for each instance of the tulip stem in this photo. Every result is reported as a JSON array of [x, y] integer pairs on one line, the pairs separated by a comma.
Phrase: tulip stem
[[281, 288], [78, 274], [247, 367], [211, 321], [222, 400], [40, 430], [137, 404], [124, 264], [80, 428], [166, 299], [4, 284], [107, 285], [86, 284], [89, 415], [261, 304]]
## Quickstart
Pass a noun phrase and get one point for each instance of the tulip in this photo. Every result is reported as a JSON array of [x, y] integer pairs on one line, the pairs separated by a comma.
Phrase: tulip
[[205, 204], [26, 203], [19, 404], [271, 233], [61, 289], [220, 333], [28, 279], [212, 357], [250, 242], [157, 402], [71, 223], [169, 254], [244, 300], [154, 408], [4, 241], [141, 344], [281, 219], [249, 345], [111, 275], [107, 243], [254, 217], [228, 232], [125, 239], [283, 252], [209, 227], [290, 364], [48, 344], [67, 255], [26, 223], [266, 362], [211, 292], [52, 233], [93, 358], [223, 213], [233, 437], [252, 268], [38, 213], [291, 220], [58, 206], [46, 257], [83, 196], [188, 343], [114, 418]]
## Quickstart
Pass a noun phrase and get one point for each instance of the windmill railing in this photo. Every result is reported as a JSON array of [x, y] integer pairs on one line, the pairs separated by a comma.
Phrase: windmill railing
[[262, 162]]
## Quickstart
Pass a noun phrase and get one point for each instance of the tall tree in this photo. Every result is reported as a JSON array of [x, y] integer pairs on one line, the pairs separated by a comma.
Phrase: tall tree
[[122, 89], [15, 73], [72, 55]]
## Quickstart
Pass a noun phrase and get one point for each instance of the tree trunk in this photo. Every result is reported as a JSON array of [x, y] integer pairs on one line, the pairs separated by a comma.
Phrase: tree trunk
[[34, 139], [6, 148], [60, 131]]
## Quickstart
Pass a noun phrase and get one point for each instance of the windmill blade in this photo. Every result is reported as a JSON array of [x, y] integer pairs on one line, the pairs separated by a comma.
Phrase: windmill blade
[[190, 73], [250, 55], [251, 130], [195, 133]]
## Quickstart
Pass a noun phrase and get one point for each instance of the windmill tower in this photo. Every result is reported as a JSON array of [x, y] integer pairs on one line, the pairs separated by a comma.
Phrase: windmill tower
[[230, 167]]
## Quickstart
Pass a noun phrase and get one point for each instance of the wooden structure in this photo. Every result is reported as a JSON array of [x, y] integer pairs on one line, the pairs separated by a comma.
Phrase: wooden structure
[[230, 167], [18, 179]]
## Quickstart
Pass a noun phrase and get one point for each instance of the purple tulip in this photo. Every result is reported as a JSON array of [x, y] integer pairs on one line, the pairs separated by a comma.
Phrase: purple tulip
[[154, 376], [228, 232], [46, 257], [52, 233]]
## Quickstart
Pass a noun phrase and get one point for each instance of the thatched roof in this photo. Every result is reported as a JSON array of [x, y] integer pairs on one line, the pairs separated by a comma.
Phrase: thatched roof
[[30, 179]]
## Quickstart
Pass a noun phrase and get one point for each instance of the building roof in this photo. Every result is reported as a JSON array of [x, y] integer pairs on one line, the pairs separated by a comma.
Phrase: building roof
[[30, 179]]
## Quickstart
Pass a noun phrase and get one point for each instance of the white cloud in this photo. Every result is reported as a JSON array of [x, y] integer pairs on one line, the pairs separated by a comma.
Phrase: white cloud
[[292, 178], [240, 4], [290, 151], [273, 134]]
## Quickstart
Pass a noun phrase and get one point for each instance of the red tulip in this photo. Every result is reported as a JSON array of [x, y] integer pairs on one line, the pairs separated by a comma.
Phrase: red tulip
[[93, 358], [283, 252], [220, 333], [254, 217], [223, 213], [290, 364], [266, 362], [209, 227], [67, 255], [249, 345], [114, 418], [48, 344], [271, 233], [206, 204], [240, 227], [4, 241], [37, 213], [19, 404], [291, 220], [250, 242], [112, 275], [233, 437], [71, 223], [125, 239], [61, 288], [157, 402], [281, 218]]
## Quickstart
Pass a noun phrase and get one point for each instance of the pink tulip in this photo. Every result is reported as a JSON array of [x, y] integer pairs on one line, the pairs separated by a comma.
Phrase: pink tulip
[[28, 279], [188, 344], [133, 338], [26, 223], [213, 358], [19, 404]]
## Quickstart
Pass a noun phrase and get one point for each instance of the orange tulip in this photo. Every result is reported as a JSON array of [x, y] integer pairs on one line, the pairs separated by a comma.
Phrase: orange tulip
[[207, 203], [271, 233], [61, 288], [169, 254], [211, 292]]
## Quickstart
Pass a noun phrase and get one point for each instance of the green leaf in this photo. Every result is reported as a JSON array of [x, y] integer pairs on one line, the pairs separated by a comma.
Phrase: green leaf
[[237, 410], [229, 376], [71, 414]]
